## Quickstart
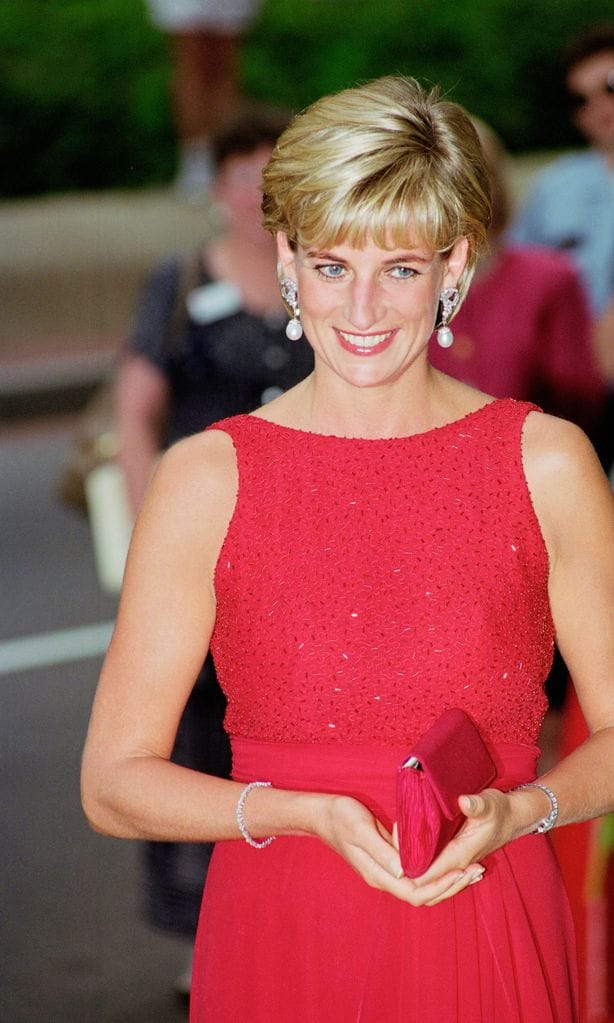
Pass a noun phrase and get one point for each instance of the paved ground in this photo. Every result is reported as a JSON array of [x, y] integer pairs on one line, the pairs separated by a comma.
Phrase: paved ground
[[74, 947]]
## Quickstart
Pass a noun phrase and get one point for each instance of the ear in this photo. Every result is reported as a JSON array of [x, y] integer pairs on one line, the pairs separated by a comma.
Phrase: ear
[[455, 263], [286, 254]]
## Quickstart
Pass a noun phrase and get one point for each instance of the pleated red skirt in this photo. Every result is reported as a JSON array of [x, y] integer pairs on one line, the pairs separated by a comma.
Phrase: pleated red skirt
[[291, 934]]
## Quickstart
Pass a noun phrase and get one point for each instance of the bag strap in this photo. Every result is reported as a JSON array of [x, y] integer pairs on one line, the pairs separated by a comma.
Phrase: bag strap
[[189, 276]]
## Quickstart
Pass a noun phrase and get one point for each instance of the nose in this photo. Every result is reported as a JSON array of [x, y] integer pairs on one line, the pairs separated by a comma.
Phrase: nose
[[364, 304]]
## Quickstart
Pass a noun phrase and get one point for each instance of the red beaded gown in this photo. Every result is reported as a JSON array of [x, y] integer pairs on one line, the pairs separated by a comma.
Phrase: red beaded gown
[[364, 587]]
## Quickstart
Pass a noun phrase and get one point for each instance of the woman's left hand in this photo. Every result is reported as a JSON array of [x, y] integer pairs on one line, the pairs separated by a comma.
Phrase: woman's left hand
[[490, 823]]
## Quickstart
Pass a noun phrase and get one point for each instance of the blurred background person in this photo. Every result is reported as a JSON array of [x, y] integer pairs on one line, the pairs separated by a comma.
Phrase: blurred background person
[[205, 38], [571, 204], [208, 341]]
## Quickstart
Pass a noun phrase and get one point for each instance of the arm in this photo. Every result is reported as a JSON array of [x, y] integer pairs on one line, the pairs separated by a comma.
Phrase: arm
[[142, 401], [166, 616], [165, 619], [575, 508]]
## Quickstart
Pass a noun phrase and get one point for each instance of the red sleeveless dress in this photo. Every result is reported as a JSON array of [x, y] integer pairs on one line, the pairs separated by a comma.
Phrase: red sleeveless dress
[[364, 587]]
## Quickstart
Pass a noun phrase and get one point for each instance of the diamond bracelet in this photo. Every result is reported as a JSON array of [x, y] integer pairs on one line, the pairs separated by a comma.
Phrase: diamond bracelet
[[550, 820], [255, 844]]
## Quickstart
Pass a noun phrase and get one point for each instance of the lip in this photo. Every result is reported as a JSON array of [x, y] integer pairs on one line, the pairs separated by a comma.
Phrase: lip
[[372, 346]]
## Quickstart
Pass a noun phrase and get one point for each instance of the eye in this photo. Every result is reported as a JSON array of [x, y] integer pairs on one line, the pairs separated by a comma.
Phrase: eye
[[331, 271], [402, 273]]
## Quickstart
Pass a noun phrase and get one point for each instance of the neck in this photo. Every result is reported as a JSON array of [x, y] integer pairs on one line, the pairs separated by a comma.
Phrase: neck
[[329, 405]]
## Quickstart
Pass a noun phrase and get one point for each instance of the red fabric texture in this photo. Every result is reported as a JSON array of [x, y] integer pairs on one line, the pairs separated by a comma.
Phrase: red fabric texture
[[364, 587]]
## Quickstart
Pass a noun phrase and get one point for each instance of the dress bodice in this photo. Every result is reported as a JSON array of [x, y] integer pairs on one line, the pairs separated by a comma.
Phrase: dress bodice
[[365, 586]]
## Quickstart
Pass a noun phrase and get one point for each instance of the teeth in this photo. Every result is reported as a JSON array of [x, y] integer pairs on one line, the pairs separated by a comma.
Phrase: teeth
[[364, 341]]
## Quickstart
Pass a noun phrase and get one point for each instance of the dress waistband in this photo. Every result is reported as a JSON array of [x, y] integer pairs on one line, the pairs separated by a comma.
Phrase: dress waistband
[[367, 772]]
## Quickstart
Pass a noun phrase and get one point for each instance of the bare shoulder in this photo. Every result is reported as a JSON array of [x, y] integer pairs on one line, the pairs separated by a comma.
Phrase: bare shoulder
[[564, 476], [555, 449], [191, 497], [201, 465]]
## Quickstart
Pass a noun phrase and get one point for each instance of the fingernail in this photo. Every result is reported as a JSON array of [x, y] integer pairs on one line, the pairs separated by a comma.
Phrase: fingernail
[[396, 870], [476, 876]]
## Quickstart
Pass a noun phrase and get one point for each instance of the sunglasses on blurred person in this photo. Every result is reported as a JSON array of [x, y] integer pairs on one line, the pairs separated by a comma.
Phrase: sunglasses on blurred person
[[579, 100]]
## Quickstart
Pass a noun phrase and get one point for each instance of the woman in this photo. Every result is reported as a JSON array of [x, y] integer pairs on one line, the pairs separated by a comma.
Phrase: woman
[[413, 547]]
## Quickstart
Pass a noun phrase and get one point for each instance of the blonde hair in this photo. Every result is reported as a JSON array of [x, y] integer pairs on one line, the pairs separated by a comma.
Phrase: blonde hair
[[380, 161], [496, 159]]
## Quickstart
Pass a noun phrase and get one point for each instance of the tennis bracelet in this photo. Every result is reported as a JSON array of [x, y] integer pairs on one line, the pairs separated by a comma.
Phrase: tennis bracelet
[[255, 844], [550, 820]]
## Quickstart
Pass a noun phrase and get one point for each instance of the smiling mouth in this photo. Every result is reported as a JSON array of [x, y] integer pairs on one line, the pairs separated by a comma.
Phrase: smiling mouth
[[365, 344]]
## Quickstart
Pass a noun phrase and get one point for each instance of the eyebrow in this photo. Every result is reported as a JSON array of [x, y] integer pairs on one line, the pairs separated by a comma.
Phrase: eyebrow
[[404, 257]]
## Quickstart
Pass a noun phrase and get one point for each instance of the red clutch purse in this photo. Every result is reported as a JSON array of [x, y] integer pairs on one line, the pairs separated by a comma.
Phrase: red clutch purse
[[448, 761]]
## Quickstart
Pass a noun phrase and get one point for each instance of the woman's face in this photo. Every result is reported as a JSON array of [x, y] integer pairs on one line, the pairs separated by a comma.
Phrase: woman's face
[[591, 85], [369, 312]]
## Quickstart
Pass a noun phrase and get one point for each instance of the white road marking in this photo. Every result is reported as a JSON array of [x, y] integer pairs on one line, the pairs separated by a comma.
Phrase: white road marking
[[49, 648]]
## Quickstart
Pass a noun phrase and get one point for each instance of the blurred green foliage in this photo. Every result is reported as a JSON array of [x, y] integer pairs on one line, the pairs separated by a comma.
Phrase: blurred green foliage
[[84, 83]]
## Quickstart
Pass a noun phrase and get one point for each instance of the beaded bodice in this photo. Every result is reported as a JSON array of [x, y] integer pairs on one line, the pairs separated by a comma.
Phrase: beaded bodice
[[364, 586]]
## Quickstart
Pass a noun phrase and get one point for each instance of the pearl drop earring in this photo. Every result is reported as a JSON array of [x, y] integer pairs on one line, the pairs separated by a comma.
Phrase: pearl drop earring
[[289, 293], [448, 300]]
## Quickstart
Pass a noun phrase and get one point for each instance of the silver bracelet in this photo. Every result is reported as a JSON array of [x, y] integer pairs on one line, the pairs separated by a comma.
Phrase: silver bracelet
[[255, 844], [547, 822]]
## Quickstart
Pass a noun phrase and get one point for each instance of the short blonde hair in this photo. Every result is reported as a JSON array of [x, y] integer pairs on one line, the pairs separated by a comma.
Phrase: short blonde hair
[[496, 159], [380, 161]]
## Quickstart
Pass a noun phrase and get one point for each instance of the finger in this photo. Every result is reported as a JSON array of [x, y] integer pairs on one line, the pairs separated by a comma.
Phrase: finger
[[386, 856], [438, 869], [383, 830], [379, 869], [472, 806], [470, 877], [432, 892], [395, 868], [395, 835], [391, 862]]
